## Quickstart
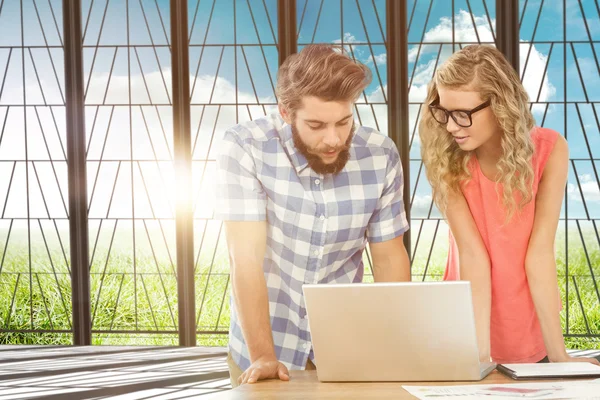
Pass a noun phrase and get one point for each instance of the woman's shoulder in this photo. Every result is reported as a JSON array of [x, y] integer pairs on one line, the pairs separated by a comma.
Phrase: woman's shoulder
[[544, 135], [545, 141]]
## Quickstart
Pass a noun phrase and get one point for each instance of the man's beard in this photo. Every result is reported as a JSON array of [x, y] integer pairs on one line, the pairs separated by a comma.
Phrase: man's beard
[[315, 162]]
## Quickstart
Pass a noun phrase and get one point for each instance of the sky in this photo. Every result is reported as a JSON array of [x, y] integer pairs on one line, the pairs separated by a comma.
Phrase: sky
[[222, 74]]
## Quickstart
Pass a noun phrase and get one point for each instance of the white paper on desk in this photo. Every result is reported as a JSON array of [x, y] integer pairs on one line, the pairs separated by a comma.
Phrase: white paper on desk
[[547, 391]]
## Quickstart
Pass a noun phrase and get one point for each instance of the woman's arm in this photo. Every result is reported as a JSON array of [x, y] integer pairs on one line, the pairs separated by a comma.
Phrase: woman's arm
[[540, 263], [474, 267]]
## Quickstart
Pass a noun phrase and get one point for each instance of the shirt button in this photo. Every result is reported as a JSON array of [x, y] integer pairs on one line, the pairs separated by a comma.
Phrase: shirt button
[[316, 252], [322, 218], [317, 181]]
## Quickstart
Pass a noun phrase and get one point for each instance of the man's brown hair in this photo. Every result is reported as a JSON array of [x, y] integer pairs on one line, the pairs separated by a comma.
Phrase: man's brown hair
[[323, 71]]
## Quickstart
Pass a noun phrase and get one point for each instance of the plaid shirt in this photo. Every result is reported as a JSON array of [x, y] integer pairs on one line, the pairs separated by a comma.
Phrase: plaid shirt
[[318, 225]]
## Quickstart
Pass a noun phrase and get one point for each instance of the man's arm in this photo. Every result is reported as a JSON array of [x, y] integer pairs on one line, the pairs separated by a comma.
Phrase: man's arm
[[241, 203], [387, 226], [390, 261], [246, 243]]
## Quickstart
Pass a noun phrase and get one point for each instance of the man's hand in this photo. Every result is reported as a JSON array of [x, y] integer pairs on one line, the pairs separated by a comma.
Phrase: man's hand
[[264, 368]]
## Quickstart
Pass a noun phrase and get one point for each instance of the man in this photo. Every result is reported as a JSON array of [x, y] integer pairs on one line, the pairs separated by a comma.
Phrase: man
[[301, 192]]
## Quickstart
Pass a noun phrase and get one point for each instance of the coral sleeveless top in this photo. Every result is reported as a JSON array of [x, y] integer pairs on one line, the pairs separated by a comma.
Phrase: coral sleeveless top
[[515, 333]]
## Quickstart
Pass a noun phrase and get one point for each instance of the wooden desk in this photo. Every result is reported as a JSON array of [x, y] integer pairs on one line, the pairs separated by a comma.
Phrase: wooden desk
[[305, 385]]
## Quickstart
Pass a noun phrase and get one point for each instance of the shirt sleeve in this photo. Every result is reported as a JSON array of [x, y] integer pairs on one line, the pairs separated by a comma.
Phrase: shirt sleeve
[[239, 194], [389, 218]]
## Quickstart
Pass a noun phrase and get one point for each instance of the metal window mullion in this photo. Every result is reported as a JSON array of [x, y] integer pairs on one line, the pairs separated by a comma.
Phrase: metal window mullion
[[286, 29], [507, 30], [77, 173], [397, 91], [182, 140]]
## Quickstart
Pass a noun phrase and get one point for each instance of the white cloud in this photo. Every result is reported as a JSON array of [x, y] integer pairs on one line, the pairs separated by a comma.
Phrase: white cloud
[[589, 188], [377, 95], [348, 38], [222, 91], [422, 76], [214, 124], [421, 205], [159, 181], [535, 81], [417, 94], [463, 32], [380, 111], [359, 51], [380, 59], [463, 29]]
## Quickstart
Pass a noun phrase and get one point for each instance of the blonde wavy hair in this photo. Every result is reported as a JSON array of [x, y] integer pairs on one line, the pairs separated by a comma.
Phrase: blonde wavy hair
[[482, 69]]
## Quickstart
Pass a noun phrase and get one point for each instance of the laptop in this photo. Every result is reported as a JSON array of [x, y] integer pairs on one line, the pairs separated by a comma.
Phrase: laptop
[[394, 332]]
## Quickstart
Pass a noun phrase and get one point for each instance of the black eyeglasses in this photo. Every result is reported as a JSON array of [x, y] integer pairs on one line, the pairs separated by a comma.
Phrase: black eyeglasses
[[461, 117]]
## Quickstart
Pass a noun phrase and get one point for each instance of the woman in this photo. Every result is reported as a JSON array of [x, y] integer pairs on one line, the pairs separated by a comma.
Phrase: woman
[[499, 181]]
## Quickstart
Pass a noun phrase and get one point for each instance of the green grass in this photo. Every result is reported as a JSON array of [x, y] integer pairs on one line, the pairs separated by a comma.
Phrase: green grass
[[120, 299], [147, 301]]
